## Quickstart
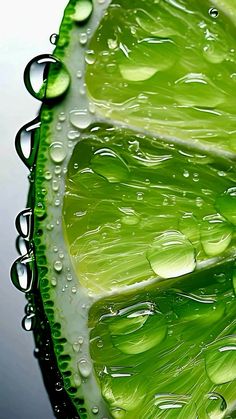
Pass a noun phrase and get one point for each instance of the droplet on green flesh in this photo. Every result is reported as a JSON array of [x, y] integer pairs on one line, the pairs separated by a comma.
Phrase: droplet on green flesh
[[226, 205], [171, 255], [220, 359]]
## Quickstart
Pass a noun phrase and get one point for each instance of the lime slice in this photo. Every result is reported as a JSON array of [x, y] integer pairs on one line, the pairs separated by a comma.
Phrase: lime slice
[[133, 198]]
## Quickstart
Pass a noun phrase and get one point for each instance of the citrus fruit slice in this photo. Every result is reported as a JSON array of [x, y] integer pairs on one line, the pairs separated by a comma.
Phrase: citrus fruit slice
[[130, 227]]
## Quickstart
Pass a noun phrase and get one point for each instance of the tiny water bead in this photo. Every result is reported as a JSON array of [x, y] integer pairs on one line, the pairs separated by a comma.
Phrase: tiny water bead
[[80, 118], [57, 152], [23, 273], [26, 143], [28, 322], [109, 165], [171, 255], [213, 12], [46, 77], [83, 10], [226, 205], [54, 38], [220, 360], [95, 410], [24, 222]]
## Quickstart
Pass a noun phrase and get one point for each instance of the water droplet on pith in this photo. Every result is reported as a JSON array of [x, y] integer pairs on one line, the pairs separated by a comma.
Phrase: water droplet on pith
[[73, 135], [83, 10], [109, 165], [83, 38], [80, 118], [85, 368], [58, 266], [95, 410], [46, 77], [57, 152], [90, 57], [220, 360], [171, 255]]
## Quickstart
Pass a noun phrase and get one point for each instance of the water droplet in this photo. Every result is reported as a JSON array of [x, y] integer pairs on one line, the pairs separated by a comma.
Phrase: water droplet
[[171, 255], [90, 57], [57, 152], [54, 282], [95, 410], [220, 360], [74, 290], [83, 38], [24, 223], [69, 277], [77, 380], [73, 135], [53, 38], [28, 322], [109, 165], [58, 266], [85, 368], [39, 210], [170, 401], [80, 118], [76, 346], [26, 142], [55, 185], [215, 405], [58, 386], [213, 12], [118, 412], [215, 52], [57, 170], [226, 205], [23, 273], [137, 328], [215, 234], [112, 43], [48, 175], [22, 246], [46, 77], [83, 10]]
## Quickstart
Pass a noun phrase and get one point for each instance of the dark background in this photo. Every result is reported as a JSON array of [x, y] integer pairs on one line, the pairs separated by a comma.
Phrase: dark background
[[25, 28]]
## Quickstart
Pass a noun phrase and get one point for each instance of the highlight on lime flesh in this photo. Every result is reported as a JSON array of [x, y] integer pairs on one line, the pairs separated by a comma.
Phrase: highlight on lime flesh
[[131, 218]]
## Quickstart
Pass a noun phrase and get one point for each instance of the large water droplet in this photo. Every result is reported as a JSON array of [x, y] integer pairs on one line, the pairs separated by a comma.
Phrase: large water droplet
[[46, 77], [216, 235], [57, 152], [23, 272], [83, 10], [109, 165], [118, 413], [171, 401], [226, 205], [171, 255], [215, 405], [24, 222], [220, 360], [137, 328], [26, 142], [80, 118]]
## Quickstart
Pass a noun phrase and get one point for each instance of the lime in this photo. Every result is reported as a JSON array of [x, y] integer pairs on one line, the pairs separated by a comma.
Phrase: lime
[[133, 198]]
